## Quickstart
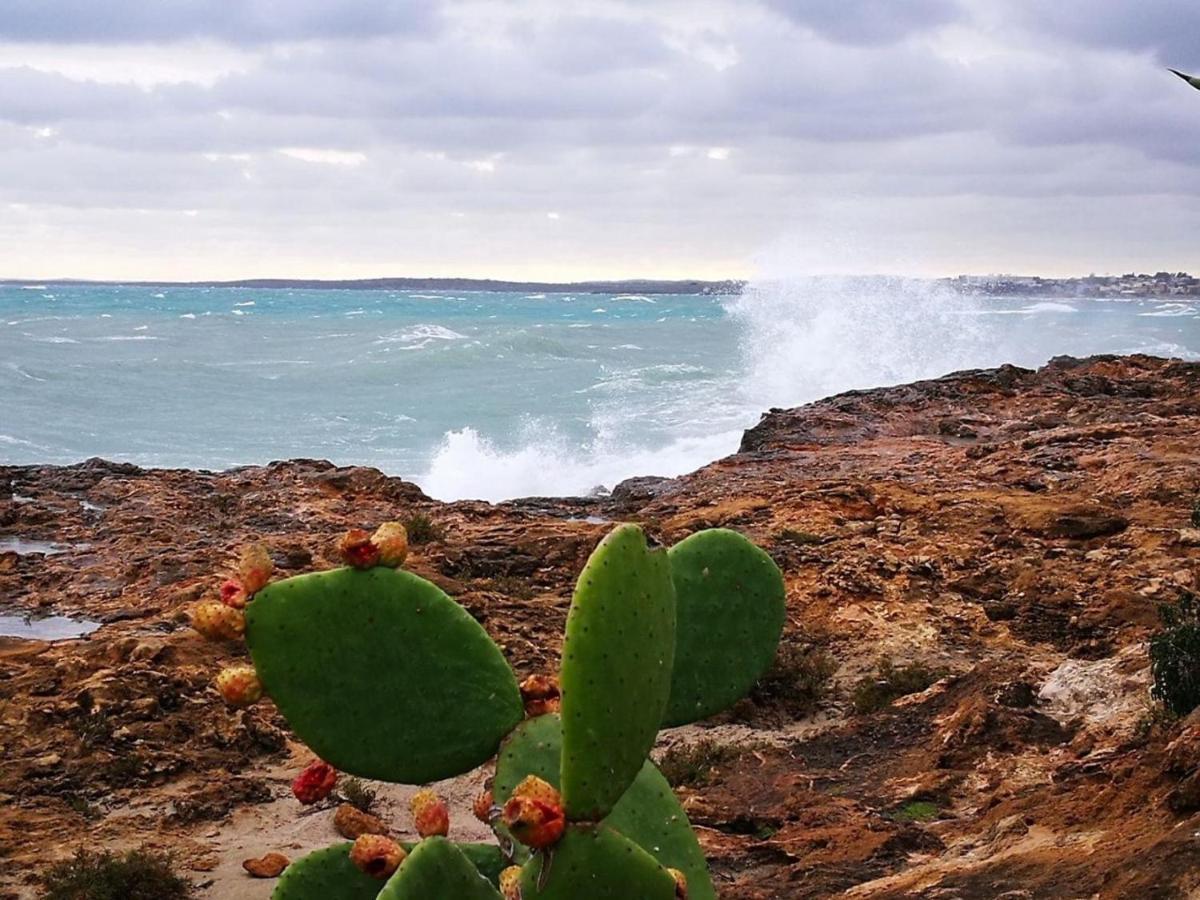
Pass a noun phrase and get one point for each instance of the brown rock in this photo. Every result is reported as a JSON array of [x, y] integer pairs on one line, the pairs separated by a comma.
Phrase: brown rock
[[269, 866], [351, 822]]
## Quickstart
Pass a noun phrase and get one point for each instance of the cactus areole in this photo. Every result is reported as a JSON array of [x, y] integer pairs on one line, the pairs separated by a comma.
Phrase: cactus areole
[[384, 676]]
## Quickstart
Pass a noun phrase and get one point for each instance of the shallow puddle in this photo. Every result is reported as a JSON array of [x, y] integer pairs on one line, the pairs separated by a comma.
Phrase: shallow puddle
[[25, 547], [45, 628]]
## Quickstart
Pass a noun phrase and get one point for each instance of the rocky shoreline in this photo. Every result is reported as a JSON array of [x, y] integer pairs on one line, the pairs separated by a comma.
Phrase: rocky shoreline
[[1010, 532]]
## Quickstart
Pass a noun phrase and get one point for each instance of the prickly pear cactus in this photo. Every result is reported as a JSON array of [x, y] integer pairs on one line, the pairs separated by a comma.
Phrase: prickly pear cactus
[[729, 616], [384, 676], [616, 669]]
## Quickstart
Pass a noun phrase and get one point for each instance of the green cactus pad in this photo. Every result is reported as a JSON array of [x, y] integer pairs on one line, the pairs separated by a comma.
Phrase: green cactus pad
[[730, 607], [437, 868], [326, 874], [382, 674], [487, 859], [595, 863], [648, 813], [616, 670]]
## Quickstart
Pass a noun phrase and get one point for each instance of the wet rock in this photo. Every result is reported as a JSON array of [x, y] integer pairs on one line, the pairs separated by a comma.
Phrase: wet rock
[[633, 492]]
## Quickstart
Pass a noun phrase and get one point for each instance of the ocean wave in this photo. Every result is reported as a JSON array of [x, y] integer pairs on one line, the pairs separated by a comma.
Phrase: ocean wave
[[1170, 311], [808, 338], [418, 337], [54, 340], [637, 297], [14, 367], [126, 337], [1046, 306], [469, 466]]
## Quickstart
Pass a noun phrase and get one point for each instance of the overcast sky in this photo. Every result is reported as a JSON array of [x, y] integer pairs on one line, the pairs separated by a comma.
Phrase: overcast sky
[[560, 140]]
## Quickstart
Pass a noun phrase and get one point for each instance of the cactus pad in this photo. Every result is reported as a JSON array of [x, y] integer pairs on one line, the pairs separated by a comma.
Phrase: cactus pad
[[648, 813], [487, 859], [326, 874], [730, 609], [595, 863], [382, 674], [616, 670], [437, 868]]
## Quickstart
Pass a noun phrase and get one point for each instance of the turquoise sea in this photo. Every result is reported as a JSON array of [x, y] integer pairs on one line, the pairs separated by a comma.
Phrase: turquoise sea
[[496, 395]]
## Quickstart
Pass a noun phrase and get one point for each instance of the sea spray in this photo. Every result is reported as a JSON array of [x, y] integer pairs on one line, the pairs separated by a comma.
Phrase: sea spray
[[500, 395], [804, 339]]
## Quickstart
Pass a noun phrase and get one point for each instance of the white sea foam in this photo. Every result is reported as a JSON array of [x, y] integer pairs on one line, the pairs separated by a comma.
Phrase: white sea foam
[[1041, 308], [420, 336], [1171, 310], [468, 466]]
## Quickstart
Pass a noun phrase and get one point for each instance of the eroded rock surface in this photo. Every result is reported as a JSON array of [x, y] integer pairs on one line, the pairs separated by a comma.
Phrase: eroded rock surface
[[1011, 530]]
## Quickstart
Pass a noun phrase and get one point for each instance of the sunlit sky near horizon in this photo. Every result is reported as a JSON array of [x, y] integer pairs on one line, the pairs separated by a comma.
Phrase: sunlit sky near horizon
[[563, 140]]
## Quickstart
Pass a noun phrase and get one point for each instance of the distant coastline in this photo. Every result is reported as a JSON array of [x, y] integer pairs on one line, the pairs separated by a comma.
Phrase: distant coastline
[[630, 286], [1159, 284]]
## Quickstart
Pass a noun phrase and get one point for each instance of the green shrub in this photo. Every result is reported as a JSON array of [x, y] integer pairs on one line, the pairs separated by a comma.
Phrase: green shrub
[[422, 529], [135, 875], [357, 794], [798, 680], [1175, 656], [1196, 513], [916, 811], [891, 683], [695, 764]]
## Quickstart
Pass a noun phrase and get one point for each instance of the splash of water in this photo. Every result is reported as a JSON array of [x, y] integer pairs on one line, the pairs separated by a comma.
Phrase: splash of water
[[797, 341], [804, 339]]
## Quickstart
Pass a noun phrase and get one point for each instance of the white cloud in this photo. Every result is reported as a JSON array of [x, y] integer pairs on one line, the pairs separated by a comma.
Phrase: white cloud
[[325, 156]]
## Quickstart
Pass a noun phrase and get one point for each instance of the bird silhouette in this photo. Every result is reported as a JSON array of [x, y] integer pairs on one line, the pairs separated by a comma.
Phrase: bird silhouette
[[1190, 79]]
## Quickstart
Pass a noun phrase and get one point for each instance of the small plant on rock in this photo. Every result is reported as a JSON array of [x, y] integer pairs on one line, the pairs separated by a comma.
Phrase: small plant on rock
[[1175, 656], [891, 683], [357, 794], [136, 875], [383, 676], [423, 530]]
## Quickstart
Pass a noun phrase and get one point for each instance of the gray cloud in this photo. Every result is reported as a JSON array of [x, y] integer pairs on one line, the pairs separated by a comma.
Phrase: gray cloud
[[1168, 28], [668, 139], [869, 21], [237, 21]]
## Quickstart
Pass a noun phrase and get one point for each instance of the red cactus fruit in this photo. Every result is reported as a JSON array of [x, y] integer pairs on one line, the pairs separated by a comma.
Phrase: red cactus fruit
[[255, 568], [376, 855], [541, 694], [356, 549], [239, 685], [482, 807], [680, 884], [392, 540], [315, 783], [534, 813], [430, 813], [510, 883], [218, 622], [233, 593]]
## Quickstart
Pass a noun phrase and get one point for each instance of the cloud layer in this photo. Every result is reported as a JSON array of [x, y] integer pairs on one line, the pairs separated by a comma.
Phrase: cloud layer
[[196, 138]]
